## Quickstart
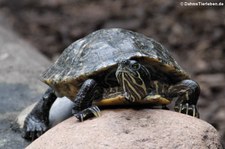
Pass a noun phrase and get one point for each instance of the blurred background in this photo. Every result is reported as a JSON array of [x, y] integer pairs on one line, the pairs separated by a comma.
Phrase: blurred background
[[194, 34]]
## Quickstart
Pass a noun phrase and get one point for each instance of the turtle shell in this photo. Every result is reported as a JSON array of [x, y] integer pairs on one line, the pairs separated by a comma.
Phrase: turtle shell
[[100, 51]]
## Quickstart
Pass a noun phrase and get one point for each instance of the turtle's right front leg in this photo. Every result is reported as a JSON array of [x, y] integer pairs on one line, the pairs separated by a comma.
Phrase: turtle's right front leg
[[37, 121], [83, 108]]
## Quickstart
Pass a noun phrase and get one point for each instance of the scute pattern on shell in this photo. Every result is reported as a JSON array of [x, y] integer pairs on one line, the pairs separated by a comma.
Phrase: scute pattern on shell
[[100, 51]]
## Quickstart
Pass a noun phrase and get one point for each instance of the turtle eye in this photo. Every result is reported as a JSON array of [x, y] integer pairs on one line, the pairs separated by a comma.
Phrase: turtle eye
[[135, 66]]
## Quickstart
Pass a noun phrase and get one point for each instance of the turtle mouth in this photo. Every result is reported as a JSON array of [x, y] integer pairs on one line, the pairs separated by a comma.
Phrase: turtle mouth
[[123, 69], [131, 88], [129, 77], [122, 76]]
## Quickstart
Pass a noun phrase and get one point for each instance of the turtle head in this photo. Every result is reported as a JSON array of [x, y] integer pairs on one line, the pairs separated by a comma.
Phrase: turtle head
[[134, 79]]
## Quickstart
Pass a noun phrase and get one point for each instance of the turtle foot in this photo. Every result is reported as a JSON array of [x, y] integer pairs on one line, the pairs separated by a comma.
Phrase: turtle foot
[[90, 112], [187, 109], [33, 128]]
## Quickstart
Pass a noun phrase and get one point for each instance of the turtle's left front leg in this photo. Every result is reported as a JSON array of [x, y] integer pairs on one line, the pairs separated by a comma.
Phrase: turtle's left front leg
[[187, 93], [83, 108]]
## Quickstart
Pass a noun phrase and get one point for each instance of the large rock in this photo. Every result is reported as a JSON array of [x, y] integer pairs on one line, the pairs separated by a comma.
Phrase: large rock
[[148, 128], [20, 66]]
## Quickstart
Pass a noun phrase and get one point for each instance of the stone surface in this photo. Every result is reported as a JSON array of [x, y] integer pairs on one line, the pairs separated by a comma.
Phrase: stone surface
[[20, 66], [20, 88], [148, 128], [60, 110]]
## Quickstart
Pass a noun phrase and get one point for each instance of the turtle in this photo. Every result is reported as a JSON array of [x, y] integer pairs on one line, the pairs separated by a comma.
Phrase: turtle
[[110, 67]]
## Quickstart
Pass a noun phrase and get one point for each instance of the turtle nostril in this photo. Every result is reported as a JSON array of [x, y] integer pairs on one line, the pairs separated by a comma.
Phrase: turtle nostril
[[124, 62]]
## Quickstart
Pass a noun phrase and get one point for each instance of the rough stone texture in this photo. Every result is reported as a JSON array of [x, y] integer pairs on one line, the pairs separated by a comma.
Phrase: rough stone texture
[[20, 66], [149, 128]]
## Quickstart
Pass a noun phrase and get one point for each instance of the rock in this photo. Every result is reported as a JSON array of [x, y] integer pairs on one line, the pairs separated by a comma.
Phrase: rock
[[60, 110], [128, 128], [20, 67], [22, 116], [20, 87]]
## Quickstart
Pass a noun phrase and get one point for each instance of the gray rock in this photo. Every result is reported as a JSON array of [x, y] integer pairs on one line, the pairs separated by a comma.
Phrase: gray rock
[[148, 128], [20, 88], [60, 110], [20, 66]]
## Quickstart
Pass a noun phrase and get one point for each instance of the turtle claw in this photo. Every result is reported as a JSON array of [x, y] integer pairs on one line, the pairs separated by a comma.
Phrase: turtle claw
[[33, 128], [187, 109], [88, 113]]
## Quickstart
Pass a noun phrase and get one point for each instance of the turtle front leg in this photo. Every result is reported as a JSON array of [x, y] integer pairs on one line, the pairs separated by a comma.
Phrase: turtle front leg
[[187, 93], [83, 108], [37, 121]]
